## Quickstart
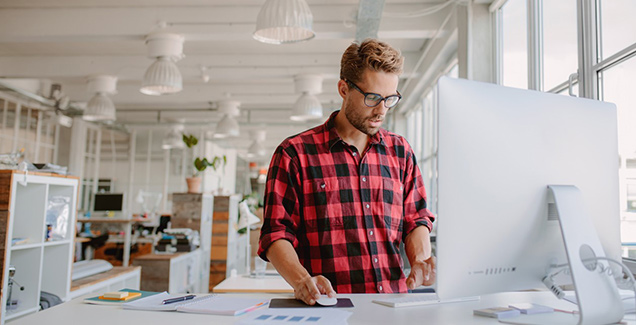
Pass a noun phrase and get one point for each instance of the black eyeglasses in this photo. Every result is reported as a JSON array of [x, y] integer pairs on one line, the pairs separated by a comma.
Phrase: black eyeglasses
[[373, 99]]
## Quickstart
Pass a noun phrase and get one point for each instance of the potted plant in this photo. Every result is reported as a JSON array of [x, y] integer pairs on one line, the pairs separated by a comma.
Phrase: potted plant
[[194, 182]]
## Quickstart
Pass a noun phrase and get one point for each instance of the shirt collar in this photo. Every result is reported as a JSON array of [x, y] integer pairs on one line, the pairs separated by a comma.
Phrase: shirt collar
[[332, 137]]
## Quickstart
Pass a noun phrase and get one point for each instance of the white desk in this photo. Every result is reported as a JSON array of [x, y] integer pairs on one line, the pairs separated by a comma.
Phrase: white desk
[[245, 284], [365, 312]]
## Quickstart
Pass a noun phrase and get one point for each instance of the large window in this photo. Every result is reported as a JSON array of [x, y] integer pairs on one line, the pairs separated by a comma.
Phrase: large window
[[617, 83], [31, 130], [421, 133], [607, 70], [615, 75], [560, 58], [618, 26], [428, 161], [514, 43]]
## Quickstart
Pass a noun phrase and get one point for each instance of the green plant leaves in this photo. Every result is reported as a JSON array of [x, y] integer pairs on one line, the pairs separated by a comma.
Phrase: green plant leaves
[[202, 164], [190, 140]]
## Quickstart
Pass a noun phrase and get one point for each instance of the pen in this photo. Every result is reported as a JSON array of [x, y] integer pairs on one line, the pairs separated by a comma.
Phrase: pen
[[177, 299]]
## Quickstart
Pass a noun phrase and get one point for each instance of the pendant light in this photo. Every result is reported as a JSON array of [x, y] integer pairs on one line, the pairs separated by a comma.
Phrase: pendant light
[[163, 76], [307, 107], [284, 21], [173, 139], [228, 126], [256, 149], [101, 108]]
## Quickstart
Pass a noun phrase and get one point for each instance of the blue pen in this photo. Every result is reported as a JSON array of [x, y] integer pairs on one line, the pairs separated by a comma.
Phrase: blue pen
[[177, 299]]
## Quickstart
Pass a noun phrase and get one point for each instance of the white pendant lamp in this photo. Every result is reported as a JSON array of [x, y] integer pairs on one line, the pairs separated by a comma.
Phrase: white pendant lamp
[[101, 108], [307, 107], [163, 76], [173, 139], [228, 126], [256, 149], [284, 21]]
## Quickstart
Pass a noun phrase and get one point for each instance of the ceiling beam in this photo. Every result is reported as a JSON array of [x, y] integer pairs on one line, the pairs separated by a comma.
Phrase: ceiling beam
[[368, 19]]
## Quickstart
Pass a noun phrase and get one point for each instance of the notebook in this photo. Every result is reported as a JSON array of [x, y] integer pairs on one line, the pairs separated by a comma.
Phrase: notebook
[[209, 304], [100, 301]]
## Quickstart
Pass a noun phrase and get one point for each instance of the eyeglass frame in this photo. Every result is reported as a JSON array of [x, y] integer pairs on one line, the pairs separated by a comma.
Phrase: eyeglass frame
[[382, 99]]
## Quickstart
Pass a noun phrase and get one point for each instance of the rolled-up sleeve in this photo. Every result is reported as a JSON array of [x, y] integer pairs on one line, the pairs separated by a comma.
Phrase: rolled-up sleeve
[[281, 210], [416, 211]]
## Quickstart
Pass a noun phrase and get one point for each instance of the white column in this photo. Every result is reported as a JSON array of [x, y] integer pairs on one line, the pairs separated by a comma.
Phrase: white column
[[131, 172], [96, 158], [16, 127], [38, 135], [56, 144], [148, 159], [166, 180], [129, 197], [113, 152], [535, 45], [475, 43]]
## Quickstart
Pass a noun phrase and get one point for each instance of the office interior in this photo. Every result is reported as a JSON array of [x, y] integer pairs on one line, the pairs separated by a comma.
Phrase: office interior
[[79, 105]]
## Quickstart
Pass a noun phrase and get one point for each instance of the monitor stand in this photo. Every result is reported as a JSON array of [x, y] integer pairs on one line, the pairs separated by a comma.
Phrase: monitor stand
[[596, 292]]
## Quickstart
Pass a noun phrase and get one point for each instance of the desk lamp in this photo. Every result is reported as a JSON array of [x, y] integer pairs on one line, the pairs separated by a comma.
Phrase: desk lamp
[[246, 219]]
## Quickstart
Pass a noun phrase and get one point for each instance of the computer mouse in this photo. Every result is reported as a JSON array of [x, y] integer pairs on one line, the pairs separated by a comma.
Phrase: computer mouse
[[324, 300]]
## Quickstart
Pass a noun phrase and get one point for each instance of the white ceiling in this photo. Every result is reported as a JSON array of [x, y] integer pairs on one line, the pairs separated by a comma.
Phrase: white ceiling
[[67, 40]]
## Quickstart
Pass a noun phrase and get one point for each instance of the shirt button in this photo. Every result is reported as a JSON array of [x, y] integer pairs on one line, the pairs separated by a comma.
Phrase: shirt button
[[371, 233], [364, 179], [375, 260], [368, 206], [380, 288], [354, 153], [322, 185]]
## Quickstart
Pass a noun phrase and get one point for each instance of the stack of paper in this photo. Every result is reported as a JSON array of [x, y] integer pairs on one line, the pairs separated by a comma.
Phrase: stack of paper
[[298, 316]]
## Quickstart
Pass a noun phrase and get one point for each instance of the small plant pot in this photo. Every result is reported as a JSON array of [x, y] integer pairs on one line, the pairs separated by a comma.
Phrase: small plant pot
[[194, 184]]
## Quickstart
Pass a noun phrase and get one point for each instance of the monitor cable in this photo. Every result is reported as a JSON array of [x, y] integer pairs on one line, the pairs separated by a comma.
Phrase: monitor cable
[[624, 278]]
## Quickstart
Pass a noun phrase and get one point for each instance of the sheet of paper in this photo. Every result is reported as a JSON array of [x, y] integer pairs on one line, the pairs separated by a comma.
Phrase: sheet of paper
[[308, 316]]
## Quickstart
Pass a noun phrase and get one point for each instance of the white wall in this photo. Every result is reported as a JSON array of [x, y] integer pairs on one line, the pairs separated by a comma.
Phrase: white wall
[[223, 176]]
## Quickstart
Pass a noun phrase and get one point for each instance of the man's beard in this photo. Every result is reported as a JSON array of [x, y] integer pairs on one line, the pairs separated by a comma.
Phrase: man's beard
[[359, 122]]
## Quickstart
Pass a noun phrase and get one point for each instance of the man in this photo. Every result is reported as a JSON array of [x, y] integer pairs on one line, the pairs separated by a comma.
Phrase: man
[[341, 197]]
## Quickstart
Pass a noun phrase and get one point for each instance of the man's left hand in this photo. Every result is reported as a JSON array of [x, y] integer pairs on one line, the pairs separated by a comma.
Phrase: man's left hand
[[422, 273]]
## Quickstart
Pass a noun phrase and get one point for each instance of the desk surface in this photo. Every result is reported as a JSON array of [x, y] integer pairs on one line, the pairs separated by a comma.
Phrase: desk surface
[[364, 312], [244, 284]]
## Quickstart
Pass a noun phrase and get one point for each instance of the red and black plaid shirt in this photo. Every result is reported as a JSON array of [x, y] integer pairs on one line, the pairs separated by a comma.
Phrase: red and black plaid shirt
[[345, 215]]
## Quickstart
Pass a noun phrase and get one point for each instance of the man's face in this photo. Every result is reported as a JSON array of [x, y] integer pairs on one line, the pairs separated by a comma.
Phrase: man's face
[[368, 120]]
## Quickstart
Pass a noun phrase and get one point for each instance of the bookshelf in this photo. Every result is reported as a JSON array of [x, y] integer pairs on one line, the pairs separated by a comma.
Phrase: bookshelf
[[39, 211]]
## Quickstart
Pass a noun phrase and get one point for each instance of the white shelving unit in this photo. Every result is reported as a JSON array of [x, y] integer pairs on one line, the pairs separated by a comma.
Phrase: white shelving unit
[[41, 264], [114, 280]]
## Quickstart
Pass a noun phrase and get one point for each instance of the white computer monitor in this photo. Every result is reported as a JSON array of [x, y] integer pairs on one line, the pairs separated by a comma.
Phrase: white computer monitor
[[499, 149]]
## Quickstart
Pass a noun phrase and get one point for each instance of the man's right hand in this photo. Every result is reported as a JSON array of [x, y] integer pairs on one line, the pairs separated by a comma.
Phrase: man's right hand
[[309, 289]]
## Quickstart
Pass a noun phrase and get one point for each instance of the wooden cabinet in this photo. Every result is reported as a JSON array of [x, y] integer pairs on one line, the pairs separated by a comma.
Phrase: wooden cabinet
[[194, 211], [222, 248], [228, 247], [38, 212]]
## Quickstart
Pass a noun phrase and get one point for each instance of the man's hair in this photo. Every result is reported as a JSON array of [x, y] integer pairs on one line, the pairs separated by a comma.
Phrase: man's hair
[[370, 54]]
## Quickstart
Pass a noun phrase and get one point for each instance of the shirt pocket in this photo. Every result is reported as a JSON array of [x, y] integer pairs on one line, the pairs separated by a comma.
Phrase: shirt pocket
[[393, 204], [322, 198]]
